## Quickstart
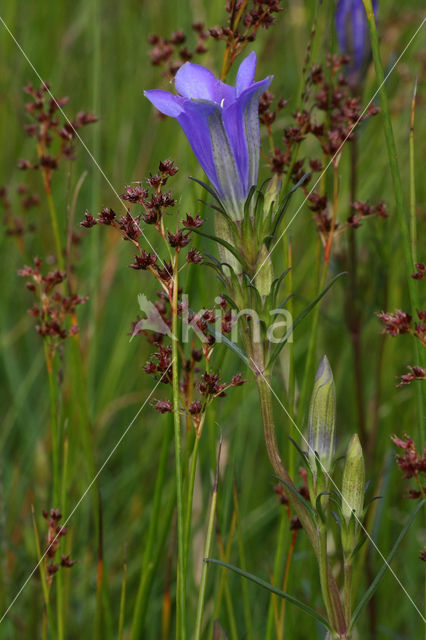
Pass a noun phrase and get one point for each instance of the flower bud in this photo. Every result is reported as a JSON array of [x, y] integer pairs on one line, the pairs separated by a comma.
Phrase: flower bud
[[322, 413], [265, 273], [353, 480], [272, 194]]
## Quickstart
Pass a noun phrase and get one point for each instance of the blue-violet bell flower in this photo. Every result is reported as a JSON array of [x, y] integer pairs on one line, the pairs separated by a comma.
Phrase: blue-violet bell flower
[[221, 123], [352, 33]]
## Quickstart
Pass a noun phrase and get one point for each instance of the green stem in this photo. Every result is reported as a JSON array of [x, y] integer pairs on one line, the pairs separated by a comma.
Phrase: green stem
[[55, 228], [323, 570], [207, 553], [263, 387], [44, 585], [310, 359], [243, 564], [180, 593], [278, 569], [189, 499], [347, 589], [413, 221], [54, 427], [122, 603], [145, 579]]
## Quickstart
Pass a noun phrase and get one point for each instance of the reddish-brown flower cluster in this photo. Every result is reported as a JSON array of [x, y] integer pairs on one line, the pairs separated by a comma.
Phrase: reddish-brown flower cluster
[[245, 19], [174, 51], [54, 535], [329, 115], [156, 326], [362, 210], [14, 216], [267, 115], [411, 462], [155, 203], [400, 322], [54, 311], [54, 132], [416, 373], [420, 274], [413, 465]]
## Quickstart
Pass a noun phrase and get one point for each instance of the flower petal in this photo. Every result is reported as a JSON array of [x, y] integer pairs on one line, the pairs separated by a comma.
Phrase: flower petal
[[241, 121], [245, 75], [194, 122], [195, 81], [165, 102]]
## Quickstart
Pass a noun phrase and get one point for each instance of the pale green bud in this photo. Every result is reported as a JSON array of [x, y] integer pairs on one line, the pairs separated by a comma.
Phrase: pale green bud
[[353, 480], [322, 415], [272, 194], [265, 273]]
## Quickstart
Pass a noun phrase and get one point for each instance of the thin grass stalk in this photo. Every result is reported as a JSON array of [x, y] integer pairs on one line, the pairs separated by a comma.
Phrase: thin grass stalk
[[42, 570], [413, 220], [207, 552], [226, 590], [55, 228], [243, 565], [223, 554], [412, 285], [278, 569], [180, 592], [144, 582], [122, 603], [156, 555], [281, 627], [189, 499], [56, 479]]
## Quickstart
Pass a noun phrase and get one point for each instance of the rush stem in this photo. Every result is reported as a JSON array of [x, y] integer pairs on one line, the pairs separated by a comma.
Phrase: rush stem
[[180, 594]]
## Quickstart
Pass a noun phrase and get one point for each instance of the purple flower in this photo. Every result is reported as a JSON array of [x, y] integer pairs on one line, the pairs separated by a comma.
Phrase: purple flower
[[352, 33], [222, 126]]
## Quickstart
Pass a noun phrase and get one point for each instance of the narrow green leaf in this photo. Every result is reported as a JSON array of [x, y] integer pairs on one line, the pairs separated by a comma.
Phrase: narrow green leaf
[[269, 587], [224, 243], [283, 207], [302, 453], [208, 188], [373, 586], [300, 317], [318, 505], [220, 337]]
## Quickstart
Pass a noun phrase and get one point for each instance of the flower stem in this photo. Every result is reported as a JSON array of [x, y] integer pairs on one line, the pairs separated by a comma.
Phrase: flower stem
[[347, 589], [323, 569], [264, 390], [189, 499], [54, 426], [331, 592], [55, 228], [180, 594]]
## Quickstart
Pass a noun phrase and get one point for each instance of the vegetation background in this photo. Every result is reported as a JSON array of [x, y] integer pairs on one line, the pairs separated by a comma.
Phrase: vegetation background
[[96, 52]]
